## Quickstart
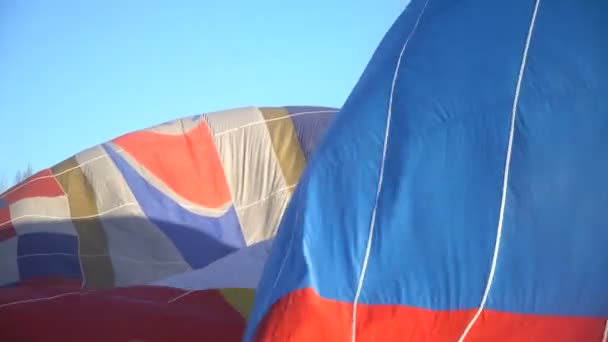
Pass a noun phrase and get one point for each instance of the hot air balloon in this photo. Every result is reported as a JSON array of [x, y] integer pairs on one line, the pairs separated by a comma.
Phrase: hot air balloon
[[460, 193], [158, 235]]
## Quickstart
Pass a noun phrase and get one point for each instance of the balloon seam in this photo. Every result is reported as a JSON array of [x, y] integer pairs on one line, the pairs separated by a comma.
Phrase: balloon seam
[[505, 183], [372, 226]]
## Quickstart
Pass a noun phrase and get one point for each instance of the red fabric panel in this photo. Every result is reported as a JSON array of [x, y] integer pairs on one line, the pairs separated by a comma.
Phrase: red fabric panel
[[304, 316], [121, 314], [188, 164], [41, 184], [7, 230]]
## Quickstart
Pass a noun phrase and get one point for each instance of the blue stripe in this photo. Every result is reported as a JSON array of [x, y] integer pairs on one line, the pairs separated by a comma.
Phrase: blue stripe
[[201, 240], [64, 263]]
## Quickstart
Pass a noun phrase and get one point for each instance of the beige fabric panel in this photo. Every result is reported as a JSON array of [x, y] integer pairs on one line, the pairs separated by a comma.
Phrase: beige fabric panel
[[42, 215], [176, 127], [105, 179], [253, 173], [265, 216], [139, 251]]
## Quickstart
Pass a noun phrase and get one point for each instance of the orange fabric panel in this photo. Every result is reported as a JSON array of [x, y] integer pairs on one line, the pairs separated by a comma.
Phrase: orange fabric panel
[[188, 163], [304, 316]]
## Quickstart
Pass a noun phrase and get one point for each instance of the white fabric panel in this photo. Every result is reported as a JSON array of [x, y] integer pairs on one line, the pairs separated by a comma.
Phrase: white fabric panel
[[252, 171], [110, 189], [264, 216], [42, 215]]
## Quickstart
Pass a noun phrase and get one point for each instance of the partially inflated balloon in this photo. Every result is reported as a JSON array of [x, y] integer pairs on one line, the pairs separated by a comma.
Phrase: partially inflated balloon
[[158, 235], [461, 192]]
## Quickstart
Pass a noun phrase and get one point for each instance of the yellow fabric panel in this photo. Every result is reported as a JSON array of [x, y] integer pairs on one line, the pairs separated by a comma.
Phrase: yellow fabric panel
[[93, 245], [240, 299], [285, 143]]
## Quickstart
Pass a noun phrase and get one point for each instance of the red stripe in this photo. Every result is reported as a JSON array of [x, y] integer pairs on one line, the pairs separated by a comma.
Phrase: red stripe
[[41, 184], [7, 230], [188, 164], [304, 316], [40, 283], [121, 314]]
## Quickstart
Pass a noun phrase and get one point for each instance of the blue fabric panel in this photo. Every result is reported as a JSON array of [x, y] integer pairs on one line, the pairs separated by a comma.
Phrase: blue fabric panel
[[439, 207], [48, 254], [438, 211], [553, 257], [200, 239], [329, 213]]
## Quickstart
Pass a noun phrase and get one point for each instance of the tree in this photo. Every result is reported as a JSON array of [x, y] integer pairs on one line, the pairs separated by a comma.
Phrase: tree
[[20, 176], [3, 184], [25, 174]]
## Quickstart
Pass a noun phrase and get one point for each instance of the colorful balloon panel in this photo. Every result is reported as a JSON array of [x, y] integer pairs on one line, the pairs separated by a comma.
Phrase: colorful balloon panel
[[160, 234]]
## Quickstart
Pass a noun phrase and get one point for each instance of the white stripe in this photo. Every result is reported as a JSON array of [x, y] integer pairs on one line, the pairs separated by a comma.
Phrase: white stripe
[[130, 299], [505, 183], [125, 205], [605, 335], [120, 151], [180, 296], [50, 217], [34, 300], [33, 180], [372, 226], [113, 256], [261, 122], [104, 156], [290, 243]]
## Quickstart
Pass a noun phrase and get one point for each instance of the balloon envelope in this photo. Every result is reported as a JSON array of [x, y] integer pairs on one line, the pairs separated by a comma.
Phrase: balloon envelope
[[158, 235], [460, 194]]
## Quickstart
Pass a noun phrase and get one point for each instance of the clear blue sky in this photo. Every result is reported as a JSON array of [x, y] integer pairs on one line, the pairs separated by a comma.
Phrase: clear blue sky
[[76, 73]]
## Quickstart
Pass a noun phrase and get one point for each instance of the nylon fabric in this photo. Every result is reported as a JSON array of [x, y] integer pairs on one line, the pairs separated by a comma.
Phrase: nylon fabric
[[160, 233], [440, 243]]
